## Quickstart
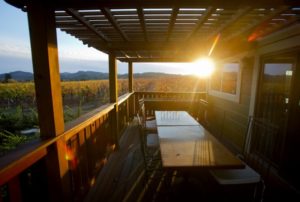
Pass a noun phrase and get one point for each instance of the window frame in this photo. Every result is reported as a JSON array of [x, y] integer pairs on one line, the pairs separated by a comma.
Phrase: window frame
[[224, 95]]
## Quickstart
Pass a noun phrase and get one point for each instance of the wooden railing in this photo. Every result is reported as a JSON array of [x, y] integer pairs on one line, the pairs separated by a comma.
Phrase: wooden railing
[[88, 142], [124, 112], [191, 102]]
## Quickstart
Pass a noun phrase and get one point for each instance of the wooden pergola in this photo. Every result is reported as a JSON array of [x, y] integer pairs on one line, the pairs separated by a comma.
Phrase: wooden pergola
[[167, 31], [136, 31]]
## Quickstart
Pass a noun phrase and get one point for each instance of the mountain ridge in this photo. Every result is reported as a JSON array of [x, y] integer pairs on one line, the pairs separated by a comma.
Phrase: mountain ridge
[[82, 75]]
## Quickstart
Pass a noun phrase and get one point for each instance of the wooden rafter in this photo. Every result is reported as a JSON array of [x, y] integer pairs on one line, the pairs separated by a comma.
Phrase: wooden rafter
[[151, 58], [113, 22], [137, 55], [64, 4], [138, 46], [75, 14], [125, 54], [201, 21], [166, 29], [289, 21], [142, 22], [172, 22], [230, 22], [257, 24]]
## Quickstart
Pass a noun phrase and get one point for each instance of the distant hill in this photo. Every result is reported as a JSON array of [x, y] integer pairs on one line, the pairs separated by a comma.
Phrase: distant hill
[[19, 76], [83, 75]]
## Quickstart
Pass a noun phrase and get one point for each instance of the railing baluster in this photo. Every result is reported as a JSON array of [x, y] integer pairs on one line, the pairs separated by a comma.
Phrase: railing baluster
[[14, 190], [89, 139], [83, 164]]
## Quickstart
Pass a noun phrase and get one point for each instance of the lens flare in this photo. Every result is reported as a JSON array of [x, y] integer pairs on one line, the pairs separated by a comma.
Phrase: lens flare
[[203, 67], [214, 44], [71, 157]]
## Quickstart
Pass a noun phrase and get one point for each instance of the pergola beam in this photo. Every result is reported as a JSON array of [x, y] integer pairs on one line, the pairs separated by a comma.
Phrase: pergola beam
[[257, 24], [158, 59], [201, 21], [112, 20], [64, 4], [81, 19], [172, 22], [230, 22], [140, 46], [142, 22], [137, 30]]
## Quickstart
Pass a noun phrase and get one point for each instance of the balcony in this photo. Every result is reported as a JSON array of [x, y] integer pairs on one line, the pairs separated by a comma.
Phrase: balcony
[[95, 157], [101, 166]]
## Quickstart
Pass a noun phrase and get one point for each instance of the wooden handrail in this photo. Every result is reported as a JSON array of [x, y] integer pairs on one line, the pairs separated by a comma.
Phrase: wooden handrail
[[80, 123], [165, 92], [180, 96], [17, 161], [193, 95], [124, 97]]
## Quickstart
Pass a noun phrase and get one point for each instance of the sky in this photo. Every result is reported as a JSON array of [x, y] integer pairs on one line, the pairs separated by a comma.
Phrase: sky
[[15, 53]]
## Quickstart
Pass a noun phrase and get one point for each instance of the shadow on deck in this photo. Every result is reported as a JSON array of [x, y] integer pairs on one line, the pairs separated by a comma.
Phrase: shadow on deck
[[119, 177], [123, 179]]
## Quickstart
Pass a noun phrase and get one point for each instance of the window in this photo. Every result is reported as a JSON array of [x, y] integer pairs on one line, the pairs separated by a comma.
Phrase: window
[[275, 99], [225, 81]]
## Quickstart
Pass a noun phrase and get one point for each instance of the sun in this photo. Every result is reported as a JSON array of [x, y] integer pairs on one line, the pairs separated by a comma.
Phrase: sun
[[203, 67]]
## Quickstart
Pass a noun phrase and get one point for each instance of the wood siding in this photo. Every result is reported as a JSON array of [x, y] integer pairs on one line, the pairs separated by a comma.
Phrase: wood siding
[[229, 119]]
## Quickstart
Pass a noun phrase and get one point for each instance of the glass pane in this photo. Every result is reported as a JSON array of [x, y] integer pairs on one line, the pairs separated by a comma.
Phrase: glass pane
[[230, 76], [275, 90], [215, 81], [274, 99]]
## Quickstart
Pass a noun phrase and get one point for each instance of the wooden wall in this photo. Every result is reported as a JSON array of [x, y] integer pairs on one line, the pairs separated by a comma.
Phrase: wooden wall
[[228, 119]]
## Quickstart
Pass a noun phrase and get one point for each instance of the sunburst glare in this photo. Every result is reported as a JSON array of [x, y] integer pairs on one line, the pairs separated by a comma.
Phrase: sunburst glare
[[203, 67]]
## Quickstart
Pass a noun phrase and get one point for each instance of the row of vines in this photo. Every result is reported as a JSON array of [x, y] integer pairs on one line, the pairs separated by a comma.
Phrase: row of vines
[[16, 94], [18, 102]]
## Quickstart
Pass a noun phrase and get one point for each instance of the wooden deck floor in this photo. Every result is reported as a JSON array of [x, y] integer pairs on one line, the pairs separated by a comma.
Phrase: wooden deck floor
[[123, 179], [123, 169]]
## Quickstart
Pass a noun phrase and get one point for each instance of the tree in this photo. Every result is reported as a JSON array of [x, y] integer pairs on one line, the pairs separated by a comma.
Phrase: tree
[[7, 77]]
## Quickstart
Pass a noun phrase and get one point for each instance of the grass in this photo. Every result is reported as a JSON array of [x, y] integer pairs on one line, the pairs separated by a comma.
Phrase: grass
[[10, 141]]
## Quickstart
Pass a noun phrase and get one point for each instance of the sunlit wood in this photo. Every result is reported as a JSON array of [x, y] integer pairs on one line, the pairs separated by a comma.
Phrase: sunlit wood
[[148, 31], [174, 118], [193, 147]]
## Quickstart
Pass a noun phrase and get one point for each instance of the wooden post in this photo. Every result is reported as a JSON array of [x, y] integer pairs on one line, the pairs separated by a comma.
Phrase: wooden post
[[48, 95], [130, 77], [113, 95], [130, 89]]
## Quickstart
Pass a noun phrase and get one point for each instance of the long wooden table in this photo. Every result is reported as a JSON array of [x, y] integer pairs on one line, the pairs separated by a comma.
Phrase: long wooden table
[[174, 118], [192, 147]]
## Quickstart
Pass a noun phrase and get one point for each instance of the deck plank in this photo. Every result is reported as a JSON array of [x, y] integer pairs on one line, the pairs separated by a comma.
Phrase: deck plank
[[122, 169], [122, 179]]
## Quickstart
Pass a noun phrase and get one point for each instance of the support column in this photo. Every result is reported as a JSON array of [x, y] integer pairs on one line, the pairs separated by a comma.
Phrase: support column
[[48, 95], [130, 89], [113, 96], [130, 77]]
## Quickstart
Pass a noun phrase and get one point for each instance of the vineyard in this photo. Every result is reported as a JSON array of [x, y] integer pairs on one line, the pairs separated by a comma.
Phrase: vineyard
[[18, 102], [73, 92]]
